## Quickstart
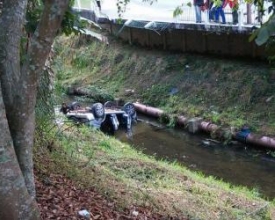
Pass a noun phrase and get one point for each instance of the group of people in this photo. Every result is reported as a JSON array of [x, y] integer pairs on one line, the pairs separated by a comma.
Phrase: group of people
[[216, 9]]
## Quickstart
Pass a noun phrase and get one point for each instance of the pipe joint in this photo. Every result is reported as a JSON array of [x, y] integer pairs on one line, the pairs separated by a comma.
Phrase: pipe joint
[[208, 126]]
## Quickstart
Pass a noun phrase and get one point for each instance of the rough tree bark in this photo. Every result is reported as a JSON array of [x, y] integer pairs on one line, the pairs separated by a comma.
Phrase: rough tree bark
[[15, 202], [19, 79]]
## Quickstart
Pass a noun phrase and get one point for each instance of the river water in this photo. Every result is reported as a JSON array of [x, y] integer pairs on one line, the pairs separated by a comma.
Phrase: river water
[[236, 164]]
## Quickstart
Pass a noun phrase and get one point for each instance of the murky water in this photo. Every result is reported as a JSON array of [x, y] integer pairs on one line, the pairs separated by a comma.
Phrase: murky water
[[236, 164]]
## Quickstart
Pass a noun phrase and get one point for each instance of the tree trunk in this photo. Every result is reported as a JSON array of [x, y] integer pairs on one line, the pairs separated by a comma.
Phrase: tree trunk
[[19, 86], [15, 202], [19, 90]]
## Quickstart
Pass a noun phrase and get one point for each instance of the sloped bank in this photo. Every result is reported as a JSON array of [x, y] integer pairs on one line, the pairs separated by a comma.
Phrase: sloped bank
[[110, 159], [197, 124], [193, 125], [230, 93]]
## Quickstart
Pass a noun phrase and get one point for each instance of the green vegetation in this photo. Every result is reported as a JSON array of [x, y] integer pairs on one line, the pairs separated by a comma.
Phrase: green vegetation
[[130, 178], [230, 93], [225, 92]]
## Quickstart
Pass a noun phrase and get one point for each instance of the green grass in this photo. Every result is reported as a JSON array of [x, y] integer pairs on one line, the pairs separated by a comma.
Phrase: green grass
[[130, 178], [228, 92]]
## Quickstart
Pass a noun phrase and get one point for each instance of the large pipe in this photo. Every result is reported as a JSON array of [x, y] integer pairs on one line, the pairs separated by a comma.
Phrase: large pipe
[[208, 126], [147, 110], [244, 135], [255, 140], [181, 120]]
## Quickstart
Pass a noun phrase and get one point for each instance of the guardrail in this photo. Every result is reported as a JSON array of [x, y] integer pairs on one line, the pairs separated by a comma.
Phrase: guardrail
[[188, 15]]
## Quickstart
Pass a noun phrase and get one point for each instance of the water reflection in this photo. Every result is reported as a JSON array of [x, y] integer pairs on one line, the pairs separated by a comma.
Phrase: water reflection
[[235, 164]]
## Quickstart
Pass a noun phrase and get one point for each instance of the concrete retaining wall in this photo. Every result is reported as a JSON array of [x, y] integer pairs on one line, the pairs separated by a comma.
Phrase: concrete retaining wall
[[224, 41]]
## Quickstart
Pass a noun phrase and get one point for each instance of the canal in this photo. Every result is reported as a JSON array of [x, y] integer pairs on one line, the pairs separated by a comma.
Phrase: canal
[[237, 164]]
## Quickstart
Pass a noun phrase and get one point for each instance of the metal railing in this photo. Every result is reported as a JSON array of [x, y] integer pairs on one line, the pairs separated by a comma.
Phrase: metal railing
[[188, 15]]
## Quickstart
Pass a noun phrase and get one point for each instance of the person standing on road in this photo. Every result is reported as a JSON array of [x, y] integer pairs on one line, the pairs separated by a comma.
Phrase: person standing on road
[[198, 4], [234, 5], [98, 4], [220, 11], [211, 10]]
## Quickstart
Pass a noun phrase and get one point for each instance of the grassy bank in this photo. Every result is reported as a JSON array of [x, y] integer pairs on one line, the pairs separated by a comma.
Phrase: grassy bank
[[229, 93], [131, 179]]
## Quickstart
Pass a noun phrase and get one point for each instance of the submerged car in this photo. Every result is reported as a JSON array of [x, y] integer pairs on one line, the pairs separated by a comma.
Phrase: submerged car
[[107, 117]]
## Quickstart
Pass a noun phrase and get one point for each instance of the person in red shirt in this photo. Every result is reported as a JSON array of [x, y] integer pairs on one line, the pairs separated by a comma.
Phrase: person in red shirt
[[234, 5]]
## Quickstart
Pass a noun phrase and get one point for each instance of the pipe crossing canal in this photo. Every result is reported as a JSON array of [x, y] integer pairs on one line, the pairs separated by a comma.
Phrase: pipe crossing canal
[[235, 164]]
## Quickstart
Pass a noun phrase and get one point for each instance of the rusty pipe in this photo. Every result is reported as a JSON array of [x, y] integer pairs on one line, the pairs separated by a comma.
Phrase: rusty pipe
[[151, 111], [209, 127], [181, 120], [256, 140], [263, 141]]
